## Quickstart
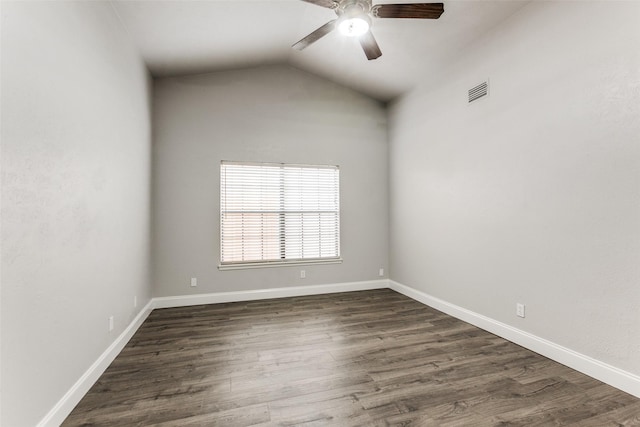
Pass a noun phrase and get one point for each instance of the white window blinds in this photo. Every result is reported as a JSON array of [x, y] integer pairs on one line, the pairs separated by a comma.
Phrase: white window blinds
[[277, 213]]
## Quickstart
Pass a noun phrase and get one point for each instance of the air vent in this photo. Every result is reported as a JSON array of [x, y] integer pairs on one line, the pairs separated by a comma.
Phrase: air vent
[[479, 91]]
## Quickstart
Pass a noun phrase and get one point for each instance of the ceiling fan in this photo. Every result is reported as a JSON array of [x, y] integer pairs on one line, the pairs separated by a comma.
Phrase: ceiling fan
[[354, 19]]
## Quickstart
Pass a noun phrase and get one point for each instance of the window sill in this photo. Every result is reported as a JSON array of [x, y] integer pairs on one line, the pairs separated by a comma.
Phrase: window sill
[[248, 265]]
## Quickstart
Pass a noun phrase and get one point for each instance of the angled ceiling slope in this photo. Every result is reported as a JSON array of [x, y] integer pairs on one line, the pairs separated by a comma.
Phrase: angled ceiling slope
[[191, 37]]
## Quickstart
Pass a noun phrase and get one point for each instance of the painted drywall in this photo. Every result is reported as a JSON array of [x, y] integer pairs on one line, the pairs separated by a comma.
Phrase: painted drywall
[[532, 194], [266, 114], [75, 196]]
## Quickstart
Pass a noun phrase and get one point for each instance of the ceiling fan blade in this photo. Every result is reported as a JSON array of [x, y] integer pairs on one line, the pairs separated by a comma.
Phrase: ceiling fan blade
[[316, 35], [330, 4], [409, 10], [369, 45]]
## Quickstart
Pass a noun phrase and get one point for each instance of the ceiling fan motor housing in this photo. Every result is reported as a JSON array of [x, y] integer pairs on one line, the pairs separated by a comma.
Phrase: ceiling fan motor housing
[[353, 17], [349, 9]]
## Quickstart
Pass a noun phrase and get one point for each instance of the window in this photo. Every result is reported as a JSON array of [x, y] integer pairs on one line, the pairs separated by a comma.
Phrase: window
[[274, 214]]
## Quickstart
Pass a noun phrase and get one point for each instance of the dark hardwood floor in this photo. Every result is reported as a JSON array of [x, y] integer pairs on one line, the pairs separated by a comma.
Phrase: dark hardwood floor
[[360, 358]]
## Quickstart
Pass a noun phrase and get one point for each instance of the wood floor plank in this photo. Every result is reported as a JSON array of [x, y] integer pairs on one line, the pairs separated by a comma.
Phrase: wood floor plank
[[371, 358]]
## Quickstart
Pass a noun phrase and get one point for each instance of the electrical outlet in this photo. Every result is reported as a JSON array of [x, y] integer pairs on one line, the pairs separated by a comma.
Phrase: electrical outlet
[[303, 274], [381, 272], [194, 282], [520, 310], [110, 323]]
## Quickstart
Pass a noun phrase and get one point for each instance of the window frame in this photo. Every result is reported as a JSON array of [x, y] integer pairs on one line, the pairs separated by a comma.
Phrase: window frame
[[262, 263]]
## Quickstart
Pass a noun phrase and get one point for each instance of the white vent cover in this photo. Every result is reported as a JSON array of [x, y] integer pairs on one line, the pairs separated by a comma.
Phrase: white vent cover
[[479, 91]]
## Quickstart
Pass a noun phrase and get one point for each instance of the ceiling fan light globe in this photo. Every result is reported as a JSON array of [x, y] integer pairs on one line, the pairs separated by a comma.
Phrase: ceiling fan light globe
[[353, 27]]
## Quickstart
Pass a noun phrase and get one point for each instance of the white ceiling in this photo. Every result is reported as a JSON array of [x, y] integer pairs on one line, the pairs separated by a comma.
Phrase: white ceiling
[[190, 37]]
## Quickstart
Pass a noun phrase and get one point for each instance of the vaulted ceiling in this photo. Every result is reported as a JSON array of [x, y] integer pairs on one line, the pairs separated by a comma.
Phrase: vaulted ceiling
[[190, 37]]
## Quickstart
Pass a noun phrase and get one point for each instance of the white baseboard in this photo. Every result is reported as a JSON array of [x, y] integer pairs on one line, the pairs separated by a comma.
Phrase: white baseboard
[[63, 408], [65, 405], [608, 374], [259, 294]]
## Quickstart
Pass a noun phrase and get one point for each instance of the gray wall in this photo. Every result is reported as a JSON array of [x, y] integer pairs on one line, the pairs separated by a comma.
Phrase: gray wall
[[271, 114], [531, 195], [75, 196]]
